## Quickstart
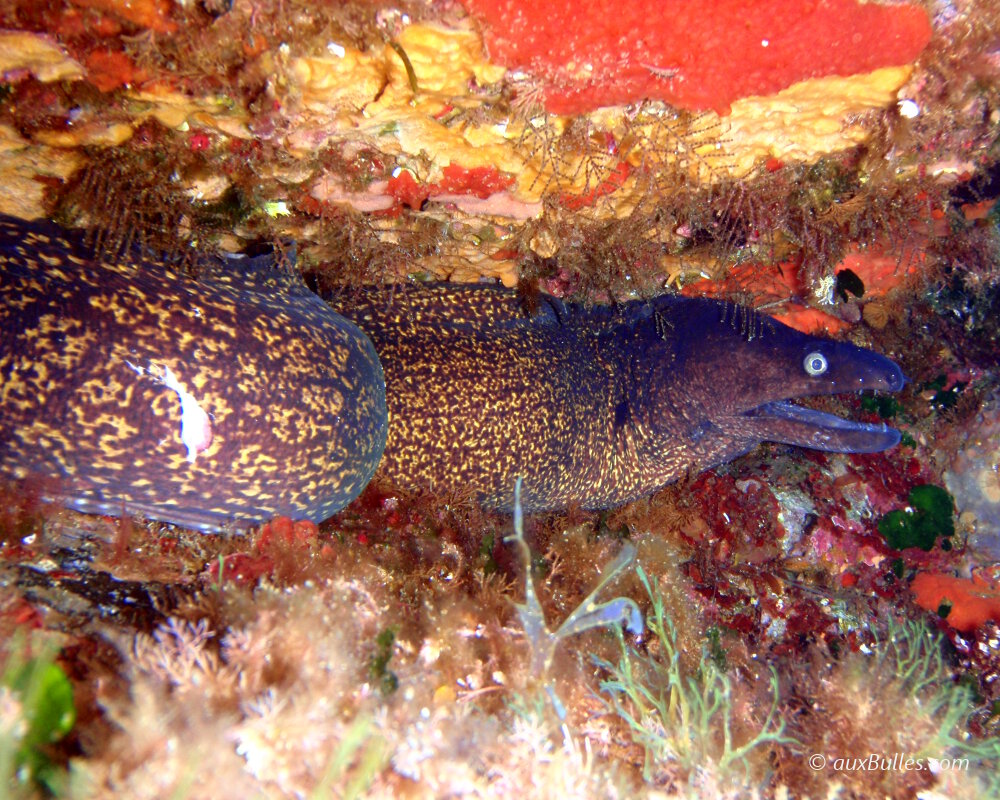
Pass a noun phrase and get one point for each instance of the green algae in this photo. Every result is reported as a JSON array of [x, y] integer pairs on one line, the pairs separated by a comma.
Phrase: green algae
[[929, 515], [44, 695]]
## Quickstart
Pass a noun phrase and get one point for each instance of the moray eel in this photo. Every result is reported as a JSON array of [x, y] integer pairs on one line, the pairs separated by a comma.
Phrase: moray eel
[[595, 406], [210, 403]]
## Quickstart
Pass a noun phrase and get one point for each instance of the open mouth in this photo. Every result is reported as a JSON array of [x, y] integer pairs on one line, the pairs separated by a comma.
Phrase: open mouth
[[792, 424]]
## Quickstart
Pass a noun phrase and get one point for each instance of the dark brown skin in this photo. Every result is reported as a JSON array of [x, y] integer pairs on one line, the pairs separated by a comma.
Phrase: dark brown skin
[[222, 401], [595, 406], [211, 403]]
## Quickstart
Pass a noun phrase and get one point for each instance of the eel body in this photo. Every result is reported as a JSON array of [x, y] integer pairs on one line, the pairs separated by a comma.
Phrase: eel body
[[227, 399], [595, 405], [210, 402]]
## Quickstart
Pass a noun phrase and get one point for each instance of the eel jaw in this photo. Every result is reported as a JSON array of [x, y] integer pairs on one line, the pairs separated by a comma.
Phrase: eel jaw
[[788, 423]]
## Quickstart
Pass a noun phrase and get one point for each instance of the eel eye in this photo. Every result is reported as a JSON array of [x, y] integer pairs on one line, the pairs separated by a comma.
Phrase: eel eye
[[815, 364]]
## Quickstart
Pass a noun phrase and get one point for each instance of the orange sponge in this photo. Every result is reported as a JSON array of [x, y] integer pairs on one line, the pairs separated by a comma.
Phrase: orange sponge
[[973, 601]]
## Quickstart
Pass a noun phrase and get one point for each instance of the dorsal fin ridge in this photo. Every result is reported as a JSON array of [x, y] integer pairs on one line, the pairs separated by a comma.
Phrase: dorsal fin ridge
[[269, 272]]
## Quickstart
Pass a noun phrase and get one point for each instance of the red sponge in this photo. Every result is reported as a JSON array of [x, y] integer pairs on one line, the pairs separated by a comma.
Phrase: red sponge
[[694, 54]]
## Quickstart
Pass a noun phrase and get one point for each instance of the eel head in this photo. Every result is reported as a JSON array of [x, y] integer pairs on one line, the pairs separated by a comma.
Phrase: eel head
[[733, 373]]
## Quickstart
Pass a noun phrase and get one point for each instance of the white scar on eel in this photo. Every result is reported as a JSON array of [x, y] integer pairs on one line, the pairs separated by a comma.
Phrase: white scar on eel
[[196, 424]]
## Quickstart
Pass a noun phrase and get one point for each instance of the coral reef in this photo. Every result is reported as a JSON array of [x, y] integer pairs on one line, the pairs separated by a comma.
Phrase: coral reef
[[386, 141]]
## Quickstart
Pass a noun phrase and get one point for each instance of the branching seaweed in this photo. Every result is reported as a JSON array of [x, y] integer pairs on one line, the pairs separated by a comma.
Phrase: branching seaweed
[[677, 718], [912, 654]]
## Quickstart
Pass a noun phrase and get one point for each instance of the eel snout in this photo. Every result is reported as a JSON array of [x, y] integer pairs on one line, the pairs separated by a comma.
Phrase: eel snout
[[852, 369]]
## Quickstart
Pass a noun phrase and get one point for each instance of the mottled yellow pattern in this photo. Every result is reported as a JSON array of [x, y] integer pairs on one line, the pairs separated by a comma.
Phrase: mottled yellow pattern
[[594, 406], [209, 402]]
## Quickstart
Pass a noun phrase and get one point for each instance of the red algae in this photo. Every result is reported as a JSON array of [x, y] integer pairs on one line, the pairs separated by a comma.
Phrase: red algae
[[282, 550], [405, 189], [152, 14], [696, 56], [481, 182], [110, 69]]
